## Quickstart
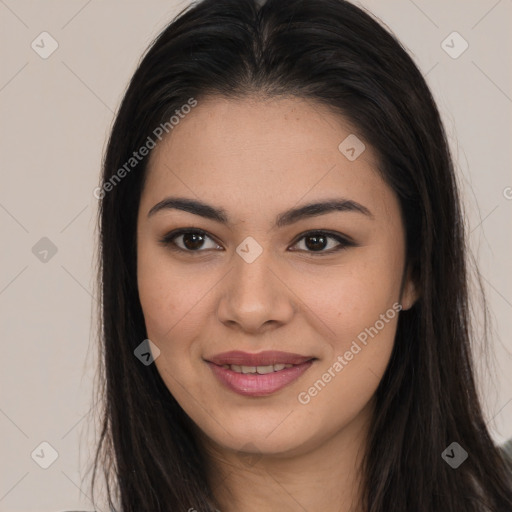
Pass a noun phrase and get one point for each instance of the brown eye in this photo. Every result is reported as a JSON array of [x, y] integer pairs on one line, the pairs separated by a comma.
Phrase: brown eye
[[319, 241], [189, 240], [316, 242], [193, 241]]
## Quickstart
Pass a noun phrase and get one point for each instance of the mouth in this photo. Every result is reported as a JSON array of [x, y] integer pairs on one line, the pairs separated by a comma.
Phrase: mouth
[[260, 370], [259, 374]]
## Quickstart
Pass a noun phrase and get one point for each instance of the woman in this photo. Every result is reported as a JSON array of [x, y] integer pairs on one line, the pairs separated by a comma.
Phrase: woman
[[285, 306]]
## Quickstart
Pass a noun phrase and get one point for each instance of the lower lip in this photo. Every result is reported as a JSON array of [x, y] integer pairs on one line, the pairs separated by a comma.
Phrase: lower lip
[[254, 384]]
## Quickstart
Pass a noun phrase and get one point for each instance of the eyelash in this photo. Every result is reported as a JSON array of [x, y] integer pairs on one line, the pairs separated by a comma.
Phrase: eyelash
[[168, 241]]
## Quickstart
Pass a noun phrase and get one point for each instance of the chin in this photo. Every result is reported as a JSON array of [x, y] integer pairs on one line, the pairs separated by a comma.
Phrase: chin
[[262, 438]]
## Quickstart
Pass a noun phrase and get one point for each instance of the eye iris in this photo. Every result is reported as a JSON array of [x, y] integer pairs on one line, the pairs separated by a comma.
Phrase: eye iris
[[318, 242], [193, 240]]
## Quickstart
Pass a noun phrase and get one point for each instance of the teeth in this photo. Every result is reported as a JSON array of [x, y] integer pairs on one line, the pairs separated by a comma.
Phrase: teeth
[[261, 370]]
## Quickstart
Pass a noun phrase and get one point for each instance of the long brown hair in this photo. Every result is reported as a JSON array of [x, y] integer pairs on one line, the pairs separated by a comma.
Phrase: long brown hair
[[334, 53]]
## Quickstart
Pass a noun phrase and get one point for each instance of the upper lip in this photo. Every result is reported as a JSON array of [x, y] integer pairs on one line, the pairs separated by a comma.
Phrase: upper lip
[[260, 359]]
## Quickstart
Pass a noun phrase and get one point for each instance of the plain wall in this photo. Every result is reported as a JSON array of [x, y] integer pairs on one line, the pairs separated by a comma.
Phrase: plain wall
[[55, 116]]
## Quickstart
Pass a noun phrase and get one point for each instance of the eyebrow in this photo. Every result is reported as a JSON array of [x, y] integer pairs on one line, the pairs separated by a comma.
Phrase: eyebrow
[[283, 219]]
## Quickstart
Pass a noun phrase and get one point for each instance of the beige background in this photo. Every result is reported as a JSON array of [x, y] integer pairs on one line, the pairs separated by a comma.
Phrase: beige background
[[55, 115]]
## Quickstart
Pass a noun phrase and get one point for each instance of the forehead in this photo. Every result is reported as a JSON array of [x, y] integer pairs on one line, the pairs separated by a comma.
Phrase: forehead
[[257, 150], [288, 126]]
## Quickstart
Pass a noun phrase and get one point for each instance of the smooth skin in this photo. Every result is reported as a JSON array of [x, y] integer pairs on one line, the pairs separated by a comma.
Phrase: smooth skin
[[255, 158]]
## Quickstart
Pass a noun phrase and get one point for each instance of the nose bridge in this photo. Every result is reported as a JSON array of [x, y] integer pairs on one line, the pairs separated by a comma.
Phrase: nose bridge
[[253, 275], [254, 294]]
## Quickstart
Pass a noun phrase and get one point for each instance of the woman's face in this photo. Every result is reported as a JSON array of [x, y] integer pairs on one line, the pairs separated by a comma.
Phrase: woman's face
[[259, 277]]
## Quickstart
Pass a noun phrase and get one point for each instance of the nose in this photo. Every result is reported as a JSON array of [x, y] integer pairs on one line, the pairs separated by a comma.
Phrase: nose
[[255, 297]]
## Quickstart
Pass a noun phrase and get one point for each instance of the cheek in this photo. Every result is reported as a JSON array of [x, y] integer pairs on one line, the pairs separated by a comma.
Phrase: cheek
[[177, 303], [364, 320], [171, 304], [166, 292], [351, 297], [160, 295], [174, 305], [359, 302]]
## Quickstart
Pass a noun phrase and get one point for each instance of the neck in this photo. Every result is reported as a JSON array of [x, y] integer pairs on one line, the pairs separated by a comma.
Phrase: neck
[[326, 476]]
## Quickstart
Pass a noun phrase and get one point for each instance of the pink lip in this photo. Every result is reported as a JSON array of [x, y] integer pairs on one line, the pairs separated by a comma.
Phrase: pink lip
[[256, 384]]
